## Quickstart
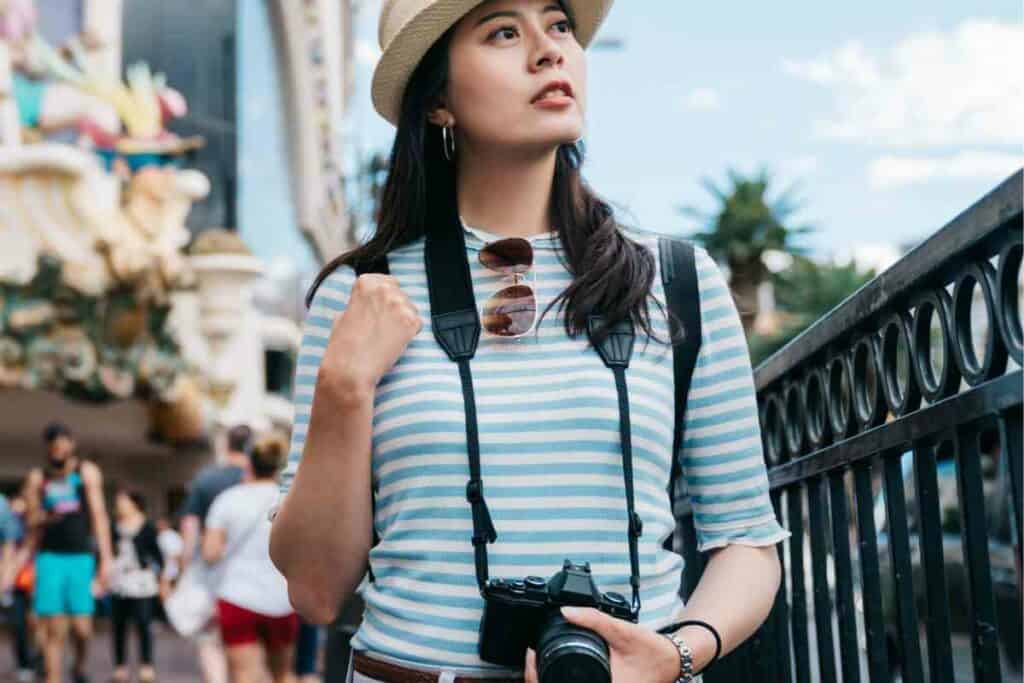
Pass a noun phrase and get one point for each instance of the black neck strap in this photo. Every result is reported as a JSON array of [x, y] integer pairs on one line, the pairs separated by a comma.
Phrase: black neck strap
[[456, 326]]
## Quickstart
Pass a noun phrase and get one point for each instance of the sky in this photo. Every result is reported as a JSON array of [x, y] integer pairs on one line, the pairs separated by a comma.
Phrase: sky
[[888, 118]]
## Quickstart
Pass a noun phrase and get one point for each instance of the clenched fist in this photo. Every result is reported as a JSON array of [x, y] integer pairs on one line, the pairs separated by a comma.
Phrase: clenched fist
[[369, 337]]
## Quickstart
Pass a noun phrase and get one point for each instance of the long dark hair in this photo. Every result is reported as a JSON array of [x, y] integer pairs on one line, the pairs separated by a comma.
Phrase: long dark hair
[[611, 273]]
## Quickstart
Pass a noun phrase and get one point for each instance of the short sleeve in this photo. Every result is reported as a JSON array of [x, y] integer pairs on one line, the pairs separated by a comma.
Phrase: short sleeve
[[328, 303], [194, 502], [721, 453], [219, 514]]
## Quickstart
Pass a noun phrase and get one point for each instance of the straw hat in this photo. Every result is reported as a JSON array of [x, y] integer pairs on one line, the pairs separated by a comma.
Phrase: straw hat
[[408, 28]]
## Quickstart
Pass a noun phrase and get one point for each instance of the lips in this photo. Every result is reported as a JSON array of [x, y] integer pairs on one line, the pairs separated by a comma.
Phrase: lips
[[553, 90]]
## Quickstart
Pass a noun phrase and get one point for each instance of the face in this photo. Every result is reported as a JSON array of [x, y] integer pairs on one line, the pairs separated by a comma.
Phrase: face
[[60, 449], [517, 77], [123, 505]]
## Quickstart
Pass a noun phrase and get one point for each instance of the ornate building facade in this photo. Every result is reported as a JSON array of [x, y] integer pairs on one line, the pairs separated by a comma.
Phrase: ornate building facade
[[126, 303]]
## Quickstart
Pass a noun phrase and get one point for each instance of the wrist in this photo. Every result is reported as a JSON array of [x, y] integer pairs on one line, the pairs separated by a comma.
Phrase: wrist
[[701, 643], [345, 388]]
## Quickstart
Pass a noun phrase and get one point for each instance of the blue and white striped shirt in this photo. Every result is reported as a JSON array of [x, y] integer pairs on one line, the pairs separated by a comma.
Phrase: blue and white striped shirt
[[550, 455]]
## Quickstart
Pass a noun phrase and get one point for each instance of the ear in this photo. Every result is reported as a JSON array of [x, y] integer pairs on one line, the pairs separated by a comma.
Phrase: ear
[[441, 116]]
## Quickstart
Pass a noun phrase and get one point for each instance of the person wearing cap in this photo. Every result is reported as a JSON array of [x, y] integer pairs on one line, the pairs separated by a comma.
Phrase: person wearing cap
[[68, 518], [489, 101]]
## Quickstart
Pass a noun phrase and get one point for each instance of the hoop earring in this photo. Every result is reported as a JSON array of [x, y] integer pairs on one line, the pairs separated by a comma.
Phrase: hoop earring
[[448, 142]]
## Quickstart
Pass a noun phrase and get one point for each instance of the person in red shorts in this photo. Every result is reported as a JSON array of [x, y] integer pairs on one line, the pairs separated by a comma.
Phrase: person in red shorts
[[257, 621]]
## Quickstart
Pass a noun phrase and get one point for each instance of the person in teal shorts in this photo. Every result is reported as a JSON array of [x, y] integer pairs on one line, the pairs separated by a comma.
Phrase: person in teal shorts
[[69, 517]]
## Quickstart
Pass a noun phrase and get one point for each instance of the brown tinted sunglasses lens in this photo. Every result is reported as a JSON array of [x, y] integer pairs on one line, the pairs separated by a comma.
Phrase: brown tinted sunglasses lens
[[510, 312], [509, 256]]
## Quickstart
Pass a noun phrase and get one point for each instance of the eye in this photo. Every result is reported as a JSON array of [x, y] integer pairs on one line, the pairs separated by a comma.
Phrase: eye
[[564, 27], [504, 33]]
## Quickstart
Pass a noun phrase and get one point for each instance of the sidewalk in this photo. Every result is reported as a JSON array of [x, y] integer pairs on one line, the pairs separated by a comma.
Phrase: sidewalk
[[175, 657]]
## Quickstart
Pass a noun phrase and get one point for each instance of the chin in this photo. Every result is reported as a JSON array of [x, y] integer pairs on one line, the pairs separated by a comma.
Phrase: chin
[[558, 135]]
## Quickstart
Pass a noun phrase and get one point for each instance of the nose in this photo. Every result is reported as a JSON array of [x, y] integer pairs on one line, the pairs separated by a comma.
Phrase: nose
[[547, 53]]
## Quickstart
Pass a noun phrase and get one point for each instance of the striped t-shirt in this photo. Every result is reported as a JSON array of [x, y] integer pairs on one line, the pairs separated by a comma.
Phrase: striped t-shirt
[[550, 455]]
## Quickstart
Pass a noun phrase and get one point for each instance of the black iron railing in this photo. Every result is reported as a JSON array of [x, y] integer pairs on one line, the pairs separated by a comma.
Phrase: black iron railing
[[892, 432]]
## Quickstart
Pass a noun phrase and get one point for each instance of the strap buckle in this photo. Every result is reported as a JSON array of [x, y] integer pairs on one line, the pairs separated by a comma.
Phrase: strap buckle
[[636, 526], [475, 491]]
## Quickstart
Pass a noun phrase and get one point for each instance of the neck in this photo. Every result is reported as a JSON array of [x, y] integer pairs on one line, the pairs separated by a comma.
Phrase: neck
[[65, 467], [522, 207], [236, 459]]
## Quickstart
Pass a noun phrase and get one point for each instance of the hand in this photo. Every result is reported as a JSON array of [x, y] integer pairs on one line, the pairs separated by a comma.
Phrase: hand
[[101, 579], [369, 337], [638, 655]]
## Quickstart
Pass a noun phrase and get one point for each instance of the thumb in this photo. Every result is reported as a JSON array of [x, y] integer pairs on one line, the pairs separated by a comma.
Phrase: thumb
[[605, 626]]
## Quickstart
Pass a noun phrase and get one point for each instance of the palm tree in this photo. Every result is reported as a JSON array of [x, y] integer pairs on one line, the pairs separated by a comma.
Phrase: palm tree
[[746, 225]]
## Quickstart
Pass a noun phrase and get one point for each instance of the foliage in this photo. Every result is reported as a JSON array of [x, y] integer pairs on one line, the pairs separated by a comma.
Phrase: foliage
[[805, 292], [746, 225]]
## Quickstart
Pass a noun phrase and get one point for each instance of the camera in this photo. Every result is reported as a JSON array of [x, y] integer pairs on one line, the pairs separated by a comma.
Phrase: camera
[[521, 613]]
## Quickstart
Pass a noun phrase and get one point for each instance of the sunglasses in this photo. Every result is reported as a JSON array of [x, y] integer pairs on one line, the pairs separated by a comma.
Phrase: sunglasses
[[511, 311]]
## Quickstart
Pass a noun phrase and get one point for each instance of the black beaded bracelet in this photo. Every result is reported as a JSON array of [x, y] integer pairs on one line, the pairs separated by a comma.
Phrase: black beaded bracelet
[[698, 622]]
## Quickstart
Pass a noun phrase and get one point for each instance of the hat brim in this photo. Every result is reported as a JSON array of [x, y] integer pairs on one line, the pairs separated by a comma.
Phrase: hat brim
[[402, 55]]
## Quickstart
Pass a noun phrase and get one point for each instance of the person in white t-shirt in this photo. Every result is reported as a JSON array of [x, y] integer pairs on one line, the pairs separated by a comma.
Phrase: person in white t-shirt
[[255, 614]]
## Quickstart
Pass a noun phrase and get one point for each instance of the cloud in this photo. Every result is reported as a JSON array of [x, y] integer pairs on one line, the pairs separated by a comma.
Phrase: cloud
[[876, 256], [934, 88], [799, 167], [896, 171], [367, 54], [700, 99]]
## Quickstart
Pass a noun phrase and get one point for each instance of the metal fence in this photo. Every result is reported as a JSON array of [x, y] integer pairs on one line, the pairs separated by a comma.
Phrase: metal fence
[[892, 430]]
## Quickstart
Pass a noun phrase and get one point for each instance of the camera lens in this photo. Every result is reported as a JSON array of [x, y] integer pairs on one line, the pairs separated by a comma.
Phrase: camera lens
[[567, 653]]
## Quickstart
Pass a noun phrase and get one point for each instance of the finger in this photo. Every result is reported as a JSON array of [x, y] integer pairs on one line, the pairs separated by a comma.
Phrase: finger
[[609, 628], [530, 669]]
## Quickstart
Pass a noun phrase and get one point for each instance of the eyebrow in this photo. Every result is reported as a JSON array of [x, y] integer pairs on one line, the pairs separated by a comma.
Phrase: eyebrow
[[514, 14]]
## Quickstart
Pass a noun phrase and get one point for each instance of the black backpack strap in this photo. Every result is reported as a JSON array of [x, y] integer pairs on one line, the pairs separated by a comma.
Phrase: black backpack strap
[[682, 294], [679, 276], [380, 266]]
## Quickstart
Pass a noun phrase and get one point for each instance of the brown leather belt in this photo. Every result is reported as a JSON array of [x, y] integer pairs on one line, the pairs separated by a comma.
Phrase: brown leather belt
[[392, 673]]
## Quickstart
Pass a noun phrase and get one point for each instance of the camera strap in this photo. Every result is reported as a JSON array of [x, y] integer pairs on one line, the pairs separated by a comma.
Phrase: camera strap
[[456, 326]]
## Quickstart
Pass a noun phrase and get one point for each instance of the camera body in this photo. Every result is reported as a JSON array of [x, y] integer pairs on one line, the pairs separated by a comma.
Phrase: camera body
[[518, 613]]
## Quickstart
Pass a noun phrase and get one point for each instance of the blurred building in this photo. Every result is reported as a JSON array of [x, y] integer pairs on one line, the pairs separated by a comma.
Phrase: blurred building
[[127, 296]]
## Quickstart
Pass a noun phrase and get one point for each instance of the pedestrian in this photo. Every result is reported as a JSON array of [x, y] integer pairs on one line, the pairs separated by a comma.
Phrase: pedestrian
[[256, 618], [67, 512], [19, 581], [134, 583], [171, 546], [205, 487], [522, 427]]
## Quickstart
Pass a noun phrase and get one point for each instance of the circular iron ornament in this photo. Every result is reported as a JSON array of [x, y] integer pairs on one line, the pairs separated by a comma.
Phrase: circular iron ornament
[[815, 410], [868, 402], [1007, 311], [840, 397], [771, 424], [978, 277], [794, 420], [900, 389], [934, 386]]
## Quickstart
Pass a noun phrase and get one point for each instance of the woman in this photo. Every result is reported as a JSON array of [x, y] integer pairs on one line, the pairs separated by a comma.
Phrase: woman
[[135, 581], [488, 99], [257, 621]]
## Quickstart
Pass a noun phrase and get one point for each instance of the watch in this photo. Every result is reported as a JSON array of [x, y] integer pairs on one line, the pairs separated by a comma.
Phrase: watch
[[685, 658]]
